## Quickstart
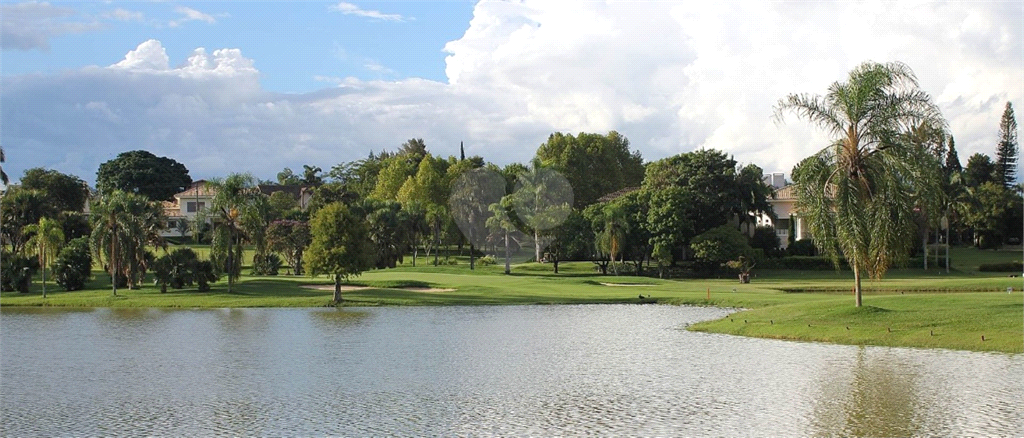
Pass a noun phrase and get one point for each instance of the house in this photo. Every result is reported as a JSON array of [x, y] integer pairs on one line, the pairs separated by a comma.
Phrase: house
[[784, 205], [183, 210]]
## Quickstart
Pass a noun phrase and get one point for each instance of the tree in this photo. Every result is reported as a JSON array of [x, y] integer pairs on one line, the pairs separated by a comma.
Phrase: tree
[[391, 178], [472, 194], [73, 265], [595, 165], [988, 211], [63, 192], [340, 245], [413, 151], [3, 175], [232, 209], [952, 163], [719, 245], [21, 207], [387, 230], [289, 238], [1006, 151], [858, 194], [980, 170], [500, 223], [542, 199], [288, 178], [124, 225], [157, 178], [311, 175], [46, 241]]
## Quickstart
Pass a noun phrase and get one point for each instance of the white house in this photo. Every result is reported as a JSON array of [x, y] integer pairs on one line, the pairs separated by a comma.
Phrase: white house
[[186, 205], [784, 205]]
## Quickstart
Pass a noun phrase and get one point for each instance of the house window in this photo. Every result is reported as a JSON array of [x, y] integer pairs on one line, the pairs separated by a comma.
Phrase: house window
[[191, 206]]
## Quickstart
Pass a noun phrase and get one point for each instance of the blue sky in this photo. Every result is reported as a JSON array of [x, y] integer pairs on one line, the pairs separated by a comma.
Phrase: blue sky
[[258, 86]]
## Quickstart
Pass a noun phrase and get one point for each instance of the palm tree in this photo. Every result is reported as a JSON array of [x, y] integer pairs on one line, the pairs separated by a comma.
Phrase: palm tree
[[47, 238], [613, 238], [233, 197], [858, 195], [3, 175], [124, 225]]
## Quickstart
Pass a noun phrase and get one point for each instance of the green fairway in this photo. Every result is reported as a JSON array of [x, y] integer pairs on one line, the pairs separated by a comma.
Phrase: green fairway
[[910, 307]]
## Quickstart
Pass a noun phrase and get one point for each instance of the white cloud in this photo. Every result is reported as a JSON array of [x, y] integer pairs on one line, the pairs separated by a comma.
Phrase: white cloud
[[120, 14], [671, 77], [31, 25], [189, 14], [351, 9]]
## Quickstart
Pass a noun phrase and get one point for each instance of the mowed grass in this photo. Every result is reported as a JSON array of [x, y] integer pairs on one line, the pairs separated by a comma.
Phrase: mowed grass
[[910, 307]]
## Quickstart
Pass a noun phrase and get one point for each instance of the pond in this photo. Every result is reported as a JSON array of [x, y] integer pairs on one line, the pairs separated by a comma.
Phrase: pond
[[512, 370]]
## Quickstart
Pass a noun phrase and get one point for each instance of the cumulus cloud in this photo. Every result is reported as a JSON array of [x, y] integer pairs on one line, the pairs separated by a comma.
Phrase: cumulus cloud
[[351, 9], [30, 26], [671, 77], [120, 14]]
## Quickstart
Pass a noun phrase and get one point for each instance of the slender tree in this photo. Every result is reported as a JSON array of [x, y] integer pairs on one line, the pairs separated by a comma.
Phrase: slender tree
[[1006, 152], [858, 194], [234, 200], [340, 245], [46, 241], [3, 175]]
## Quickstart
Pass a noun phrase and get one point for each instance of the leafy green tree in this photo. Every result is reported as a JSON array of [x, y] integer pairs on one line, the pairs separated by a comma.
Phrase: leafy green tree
[[502, 224], [392, 176], [542, 199], [157, 178], [765, 239], [311, 175], [980, 170], [288, 178], [46, 240], [63, 192], [22, 207], [290, 238], [1006, 151], [359, 177], [719, 245], [340, 245], [387, 230], [858, 195], [988, 212], [16, 271], [413, 151], [3, 175], [73, 265], [472, 194], [595, 165]]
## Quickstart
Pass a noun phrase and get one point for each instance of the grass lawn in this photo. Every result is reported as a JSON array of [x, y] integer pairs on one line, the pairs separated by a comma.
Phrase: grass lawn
[[910, 307]]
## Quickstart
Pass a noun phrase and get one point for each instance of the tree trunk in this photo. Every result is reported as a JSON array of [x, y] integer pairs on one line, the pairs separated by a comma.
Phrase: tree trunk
[[113, 258], [337, 289], [536, 245], [415, 252], [471, 259], [508, 267], [925, 248], [856, 285], [437, 238], [44, 276], [555, 255]]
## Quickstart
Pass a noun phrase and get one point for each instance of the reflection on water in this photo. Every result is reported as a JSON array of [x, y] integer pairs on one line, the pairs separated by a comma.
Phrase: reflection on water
[[533, 370]]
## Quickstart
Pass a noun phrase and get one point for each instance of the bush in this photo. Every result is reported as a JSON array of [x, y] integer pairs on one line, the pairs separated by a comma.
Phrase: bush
[[486, 260], [268, 264], [181, 268], [205, 274], [765, 239], [717, 246], [802, 247], [73, 265], [16, 272], [1002, 267]]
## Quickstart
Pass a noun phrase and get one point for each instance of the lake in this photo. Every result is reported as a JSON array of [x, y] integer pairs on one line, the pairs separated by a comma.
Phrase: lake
[[506, 370]]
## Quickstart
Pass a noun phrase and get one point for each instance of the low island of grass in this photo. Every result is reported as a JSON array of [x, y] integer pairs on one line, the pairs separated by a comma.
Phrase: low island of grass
[[964, 309]]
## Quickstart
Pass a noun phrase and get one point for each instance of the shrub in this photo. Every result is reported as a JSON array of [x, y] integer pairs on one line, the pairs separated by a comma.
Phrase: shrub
[[205, 274], [16, 272], [717, 246], [268, 264], [486, 260], [765, 239], [802, 247], [73, 265], [1002, 267]]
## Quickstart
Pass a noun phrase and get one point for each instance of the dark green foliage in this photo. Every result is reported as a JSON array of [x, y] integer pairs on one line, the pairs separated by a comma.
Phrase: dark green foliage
[[1001, 267], [158, 178], [1006, 150], [289, 238], [802, 247], [22, 207], [766, 240], [182, 268], [204, 275], [268, 264], [16, 272], [719, 245], [594, 164], [63, 192], [74, 225], [340, 245], [73, 265], [980, 170]]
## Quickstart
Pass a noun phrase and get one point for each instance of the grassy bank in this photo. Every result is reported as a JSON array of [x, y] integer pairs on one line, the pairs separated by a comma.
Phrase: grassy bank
[[911, 307]]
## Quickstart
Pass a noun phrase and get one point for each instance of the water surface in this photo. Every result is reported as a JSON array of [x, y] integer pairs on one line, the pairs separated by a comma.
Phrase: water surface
[[510, 370]]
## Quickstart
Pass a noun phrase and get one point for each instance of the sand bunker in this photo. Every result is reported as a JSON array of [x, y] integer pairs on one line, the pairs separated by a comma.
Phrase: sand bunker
[[330, 287], [627, 284]]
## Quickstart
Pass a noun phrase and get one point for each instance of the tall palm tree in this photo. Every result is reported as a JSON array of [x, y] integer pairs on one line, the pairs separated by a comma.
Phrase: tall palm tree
[[613, 239], [858, 194], [124, 226], [233, 198], [47, 238]]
